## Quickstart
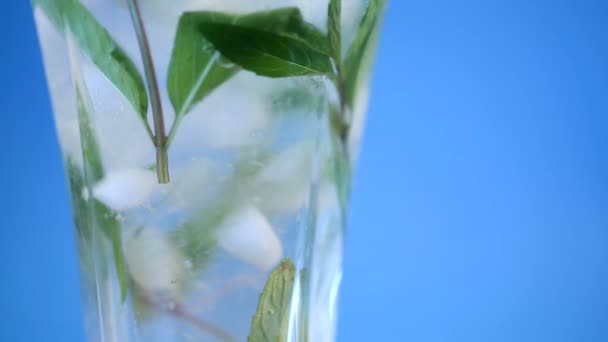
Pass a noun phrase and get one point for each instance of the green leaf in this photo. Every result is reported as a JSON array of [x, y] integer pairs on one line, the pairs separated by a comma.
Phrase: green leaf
[[197, 68], [98, 214], [96, 42], [93, 164], [334, 28], [270, 322], [272, 52], [266, 54], [355, 55]]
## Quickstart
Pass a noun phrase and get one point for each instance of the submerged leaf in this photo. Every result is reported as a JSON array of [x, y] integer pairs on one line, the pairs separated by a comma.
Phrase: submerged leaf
[[270, 322]]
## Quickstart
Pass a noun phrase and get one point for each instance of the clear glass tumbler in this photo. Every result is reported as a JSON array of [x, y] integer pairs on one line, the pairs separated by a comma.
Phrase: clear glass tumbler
[[208, 147]]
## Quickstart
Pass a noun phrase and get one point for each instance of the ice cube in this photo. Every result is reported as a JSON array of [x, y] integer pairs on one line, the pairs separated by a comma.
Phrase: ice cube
[[283, 184], [248, 236], [120, 132], [153, 261], [126, 189], [229, 117], [189, 185]]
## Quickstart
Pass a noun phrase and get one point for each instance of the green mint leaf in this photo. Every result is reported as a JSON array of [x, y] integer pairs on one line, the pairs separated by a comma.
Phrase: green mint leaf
[[334, 29], [96, 42], [355, 55], [197, 68], [266, 54], [270, 321], [93, 164], [286, 22], [97, 213], [285, 51]]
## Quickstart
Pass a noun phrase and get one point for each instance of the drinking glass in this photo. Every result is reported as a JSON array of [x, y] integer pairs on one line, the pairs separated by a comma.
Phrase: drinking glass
[[208, 147]]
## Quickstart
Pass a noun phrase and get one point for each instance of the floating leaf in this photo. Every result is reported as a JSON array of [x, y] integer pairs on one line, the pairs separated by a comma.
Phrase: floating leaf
[[96, 42], [356, 53], [271, 319]]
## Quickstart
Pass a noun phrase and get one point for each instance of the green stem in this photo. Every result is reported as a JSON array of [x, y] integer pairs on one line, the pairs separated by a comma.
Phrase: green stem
[[344, 128], [162, 164], [160, 138], [190, 99], [173, 131], [180, 311], [339, 116]]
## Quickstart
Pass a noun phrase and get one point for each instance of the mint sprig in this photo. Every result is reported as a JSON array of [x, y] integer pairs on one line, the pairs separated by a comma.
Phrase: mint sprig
[[276, 43], [197, 68]]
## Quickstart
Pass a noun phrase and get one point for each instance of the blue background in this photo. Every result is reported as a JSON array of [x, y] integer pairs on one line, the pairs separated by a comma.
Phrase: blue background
[[480, 210]]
